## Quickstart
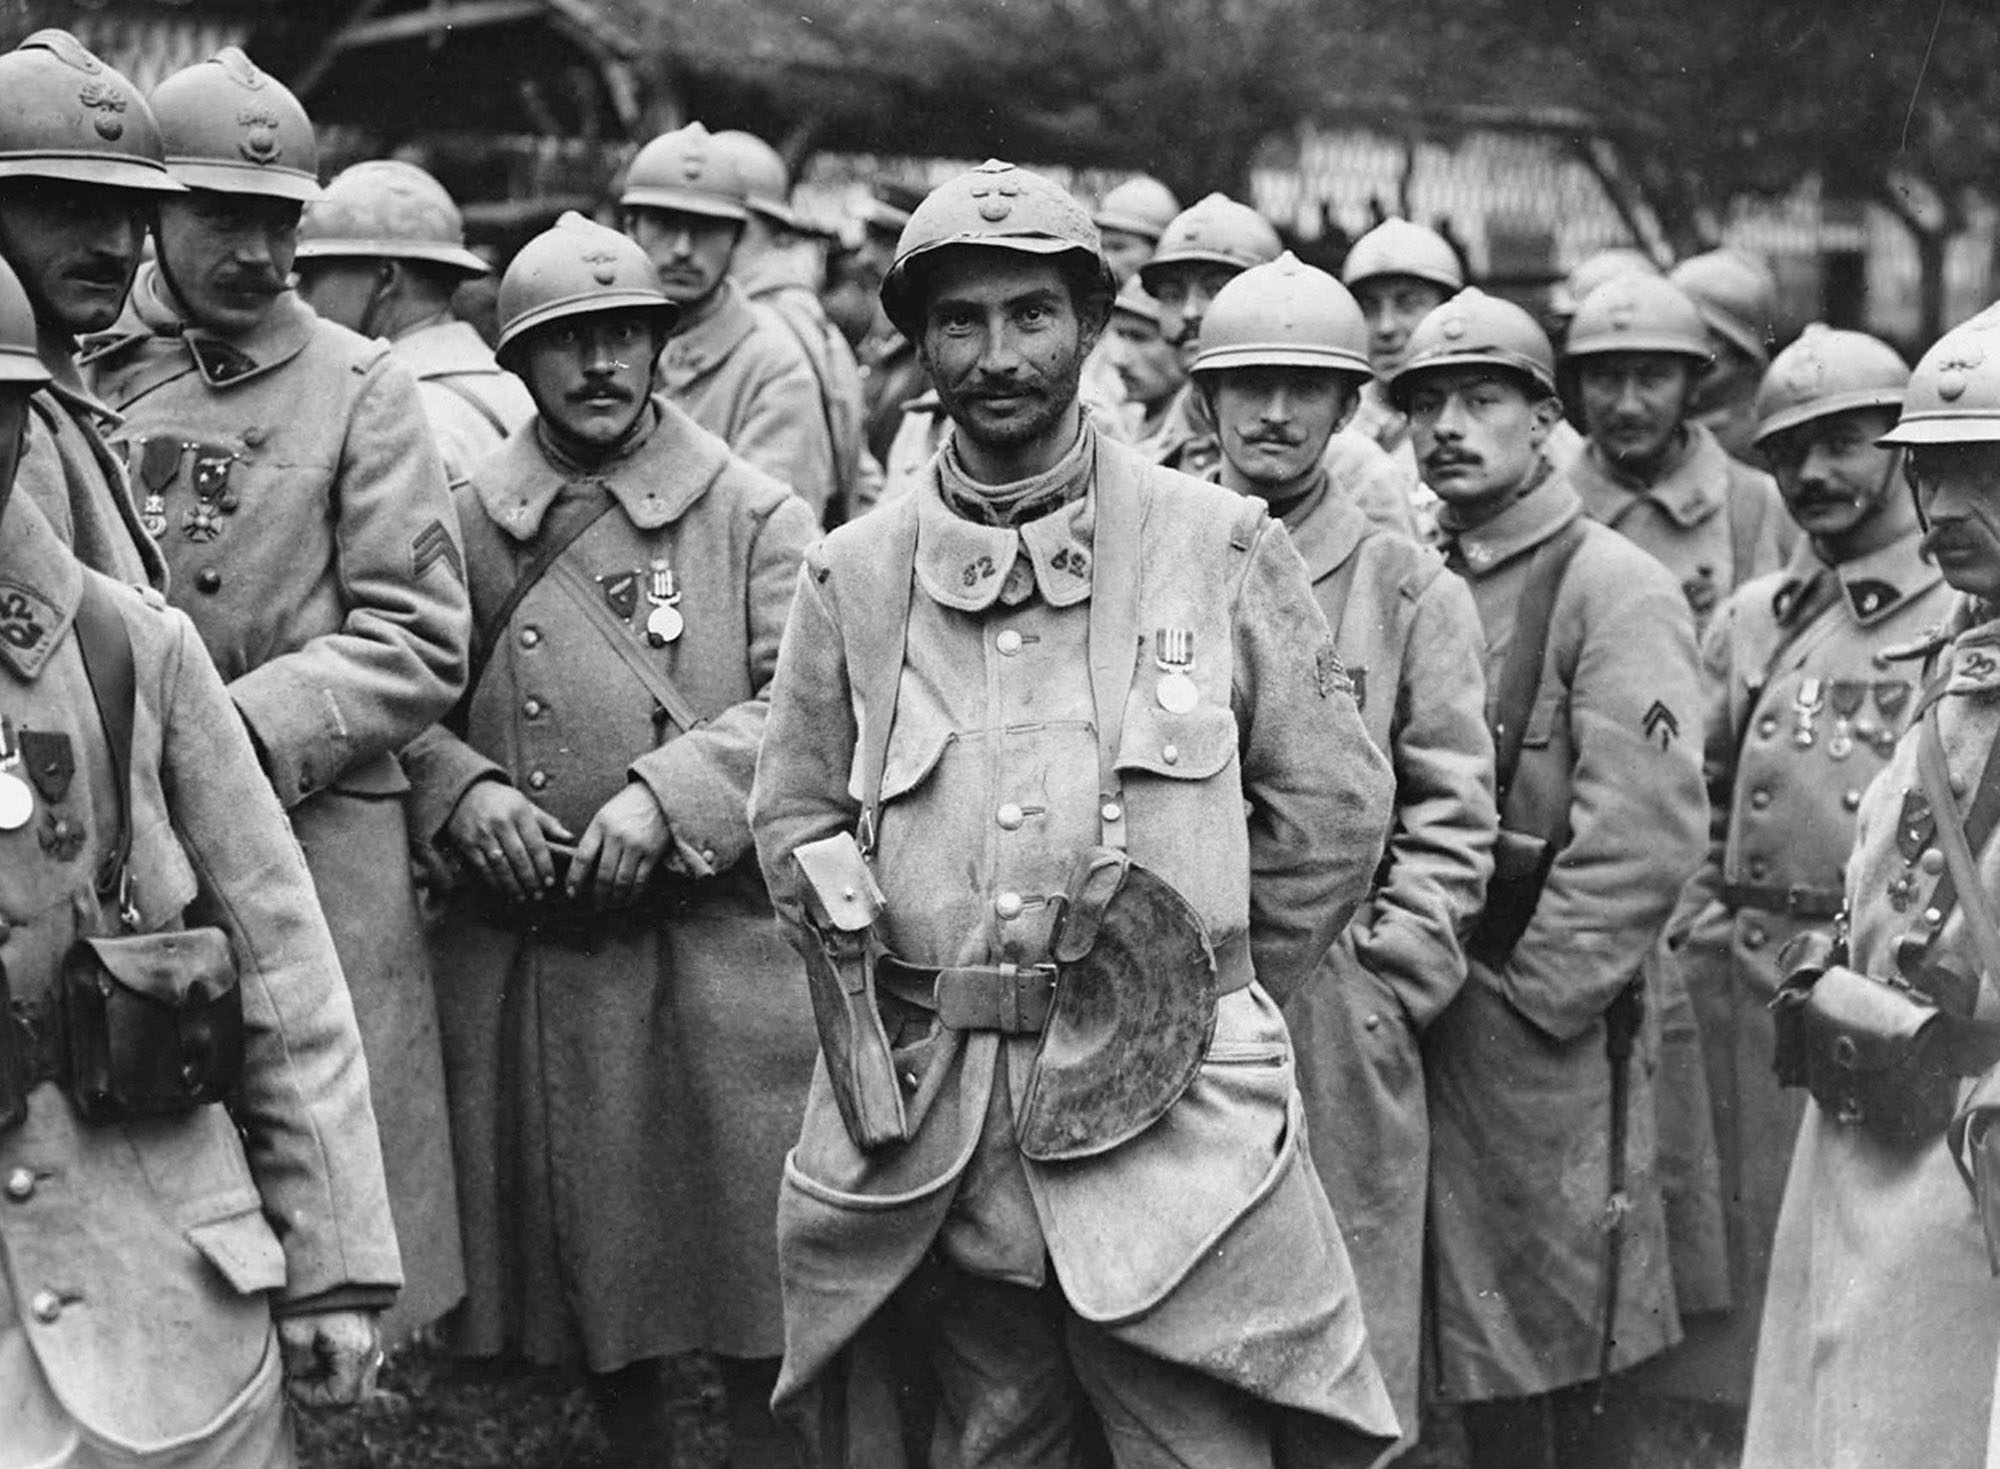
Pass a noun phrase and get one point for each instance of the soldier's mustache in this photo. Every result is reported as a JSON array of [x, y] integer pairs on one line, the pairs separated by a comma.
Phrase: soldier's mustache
[[251, 282]]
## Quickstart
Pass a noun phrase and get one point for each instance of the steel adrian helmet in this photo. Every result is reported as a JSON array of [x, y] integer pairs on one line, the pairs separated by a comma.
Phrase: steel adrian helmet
[[1401, 247], [233, 129], [1215, 231], [387, 210], [691, 171], [1285, 314], [996, 206], [1637, 313], [1595, 270], [1827, 372], [573, 268], [1954, 394], [1736, 295], [20, 362], [1142, 205], [66, 115], [1132, 300], [767, 183], [1474, 329]]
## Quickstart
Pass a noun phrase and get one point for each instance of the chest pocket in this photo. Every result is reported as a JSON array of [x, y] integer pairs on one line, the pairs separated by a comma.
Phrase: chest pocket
[[1191, 746]]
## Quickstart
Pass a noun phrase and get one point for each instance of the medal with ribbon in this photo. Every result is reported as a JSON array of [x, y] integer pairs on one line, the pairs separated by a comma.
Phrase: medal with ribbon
[[664, 623], [1173, 655], [17, 797], [1806, 704], [1847, 699]]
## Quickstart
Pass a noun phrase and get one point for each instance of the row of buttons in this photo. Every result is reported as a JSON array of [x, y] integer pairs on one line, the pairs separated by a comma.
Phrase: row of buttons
[[45, 1304]]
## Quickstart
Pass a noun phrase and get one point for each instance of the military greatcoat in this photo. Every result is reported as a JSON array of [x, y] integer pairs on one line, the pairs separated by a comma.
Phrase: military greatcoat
[[291, 480], [471, 401], [1804, 709], [1409, 637], [1520, 1083], [142, 1261], [1205, 1240], [622, 1105], [778, 288], [1882, 1319], [738, 371]]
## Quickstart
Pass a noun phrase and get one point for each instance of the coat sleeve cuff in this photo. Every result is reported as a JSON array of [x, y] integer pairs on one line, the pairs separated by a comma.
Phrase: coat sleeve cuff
[[340, 1298], [298, 732], [706, 809]]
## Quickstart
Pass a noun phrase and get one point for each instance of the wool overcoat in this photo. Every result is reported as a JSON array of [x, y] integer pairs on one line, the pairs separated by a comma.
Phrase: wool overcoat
[[622, 1107], [1206, 1239], [1521, 1087], [142, 1260], [1409, 637], [289, 476]]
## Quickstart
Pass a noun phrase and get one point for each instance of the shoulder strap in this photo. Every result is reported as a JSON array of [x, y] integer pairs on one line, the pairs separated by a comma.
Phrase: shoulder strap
[[1521, 675], [1746, 515], [451, 384], [680, 709], [1961, 883], [569, 521], [875, 667], [106, 647]]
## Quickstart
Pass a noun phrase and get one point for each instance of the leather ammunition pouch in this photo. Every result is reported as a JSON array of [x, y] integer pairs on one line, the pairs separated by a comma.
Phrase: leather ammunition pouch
[[1877, 1054], [842, 904], [152, 1023], [1132, 1016], [1521, 864]]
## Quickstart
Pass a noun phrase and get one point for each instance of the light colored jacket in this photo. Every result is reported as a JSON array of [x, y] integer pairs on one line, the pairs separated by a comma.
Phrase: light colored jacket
[[143, 1258], [738, 371], [471, 401], [647, 1086], [1882, 1320], [1520, 1085], [1409, 637], [835, 370], [305, 517], [995, 706]]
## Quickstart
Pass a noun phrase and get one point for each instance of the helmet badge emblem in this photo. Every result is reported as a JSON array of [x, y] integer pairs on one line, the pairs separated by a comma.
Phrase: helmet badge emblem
[[996, 199], [604, 265], [1952, 381], [260, 142], [1454, 327], [107, 102], [693, 166], [1622, 313]]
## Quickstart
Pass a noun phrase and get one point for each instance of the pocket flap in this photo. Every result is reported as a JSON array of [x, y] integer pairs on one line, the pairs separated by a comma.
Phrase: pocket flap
[[840, 890], [1190, 746], [178, 967], [913, 755], [244, 1249], [381, 776], [1865, 1024]]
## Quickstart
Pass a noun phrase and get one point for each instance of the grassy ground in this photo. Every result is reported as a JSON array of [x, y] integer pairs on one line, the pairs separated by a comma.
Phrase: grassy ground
[[436, 1413]]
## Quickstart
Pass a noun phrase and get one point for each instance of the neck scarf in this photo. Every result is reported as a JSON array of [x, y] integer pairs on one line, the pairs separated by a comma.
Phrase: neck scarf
[[577, 460], [1023, 500]]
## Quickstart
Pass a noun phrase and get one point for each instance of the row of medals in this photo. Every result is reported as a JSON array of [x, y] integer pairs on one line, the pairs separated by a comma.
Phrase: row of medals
[[664, 623], [1812, 697]]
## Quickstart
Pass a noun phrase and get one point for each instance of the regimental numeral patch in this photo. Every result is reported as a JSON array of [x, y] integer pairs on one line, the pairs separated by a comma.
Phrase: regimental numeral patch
[[1660, 725], [1330, 673], [431, 545], [25, 618], [1072, 559], [978, 570]]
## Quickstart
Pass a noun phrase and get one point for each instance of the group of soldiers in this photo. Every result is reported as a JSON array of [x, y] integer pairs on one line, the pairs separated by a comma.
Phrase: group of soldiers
[[1136, 855]]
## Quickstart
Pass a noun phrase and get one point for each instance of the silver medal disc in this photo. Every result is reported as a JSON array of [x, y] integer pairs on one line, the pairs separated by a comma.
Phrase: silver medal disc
[[663, 625], [1177, 693], [17, 802]]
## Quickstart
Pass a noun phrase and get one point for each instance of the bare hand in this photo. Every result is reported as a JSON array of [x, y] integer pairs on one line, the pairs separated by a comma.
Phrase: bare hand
[[330, 1357], [620, 848], [503, 837]]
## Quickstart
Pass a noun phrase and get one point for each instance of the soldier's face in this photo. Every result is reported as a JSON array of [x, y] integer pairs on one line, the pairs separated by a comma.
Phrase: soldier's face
[[1958, 491], [589, 374], [1004, 347], [75, 247], [1832, 473], [1393, 305], [1274, 423], [691, 252], [341, 290], [1633, 403], [1146, 362], [227, 257], [1731, 374], [1126, 252], [1184, 291], [1478, 433]]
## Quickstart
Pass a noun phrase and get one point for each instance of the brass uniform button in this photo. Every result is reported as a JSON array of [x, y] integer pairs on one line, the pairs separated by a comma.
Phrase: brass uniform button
[[1010, 817], [47, 1306], [1008, 642], [530, 636], [1008, 905], [537, 779], [209, 580], [20, 1185]]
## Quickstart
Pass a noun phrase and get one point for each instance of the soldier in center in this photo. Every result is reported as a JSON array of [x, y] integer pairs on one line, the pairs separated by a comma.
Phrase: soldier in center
[[1063, 790], [1281, 364], [1548, 1227]]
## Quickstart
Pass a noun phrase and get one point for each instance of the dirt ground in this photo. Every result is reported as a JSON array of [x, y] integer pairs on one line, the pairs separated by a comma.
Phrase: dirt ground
[[436, 1413]]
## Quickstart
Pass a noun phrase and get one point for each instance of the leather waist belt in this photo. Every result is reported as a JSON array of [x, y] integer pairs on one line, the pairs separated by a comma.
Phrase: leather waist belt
[[38, 1040], [1794, 902], [1013, 999]]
